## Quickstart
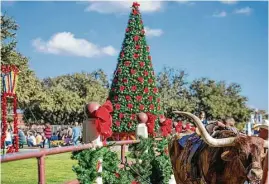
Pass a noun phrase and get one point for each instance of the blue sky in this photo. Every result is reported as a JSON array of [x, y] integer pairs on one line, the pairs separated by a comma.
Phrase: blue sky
[[220, 40]]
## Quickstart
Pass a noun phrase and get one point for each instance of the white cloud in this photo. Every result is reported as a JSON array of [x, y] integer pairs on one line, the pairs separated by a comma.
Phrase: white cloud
[[65, 43], [186, 2], [220, 14], [229, 2], [153, 32], [245, 11], [123, 6]]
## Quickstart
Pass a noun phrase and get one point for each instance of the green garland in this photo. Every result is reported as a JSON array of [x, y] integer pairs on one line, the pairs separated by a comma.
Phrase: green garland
[[151, 164]]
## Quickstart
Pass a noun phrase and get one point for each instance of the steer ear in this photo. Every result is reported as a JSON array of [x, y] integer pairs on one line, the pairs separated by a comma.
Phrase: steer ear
[[228, 155]]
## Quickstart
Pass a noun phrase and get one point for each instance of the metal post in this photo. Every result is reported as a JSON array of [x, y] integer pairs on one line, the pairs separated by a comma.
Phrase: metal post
[[123, 153], [41, 169]]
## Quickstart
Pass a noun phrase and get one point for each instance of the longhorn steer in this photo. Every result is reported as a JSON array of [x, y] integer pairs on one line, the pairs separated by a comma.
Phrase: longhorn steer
[[225, 160]]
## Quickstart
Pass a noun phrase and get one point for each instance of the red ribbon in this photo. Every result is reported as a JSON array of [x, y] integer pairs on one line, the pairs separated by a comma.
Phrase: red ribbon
[[103, 120], [179, 127], [166, 127], [151, 123], [98, 165]]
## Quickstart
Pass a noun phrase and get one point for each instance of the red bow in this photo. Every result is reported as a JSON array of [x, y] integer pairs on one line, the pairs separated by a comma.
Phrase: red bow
[[166, 127], [103, 120], [151, 123], [136, 4]]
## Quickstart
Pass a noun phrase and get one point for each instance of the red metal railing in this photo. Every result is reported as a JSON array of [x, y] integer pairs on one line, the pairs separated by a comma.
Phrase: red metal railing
[[40, 155]]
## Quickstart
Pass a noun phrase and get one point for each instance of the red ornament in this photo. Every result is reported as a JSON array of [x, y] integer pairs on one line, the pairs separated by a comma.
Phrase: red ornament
[[116, 98], [146, 90], [151, 107], [122, 88], [133, 88], [142, 117], [137, 47], [112, 89], [150, 98], [142, 64], [141, 21], [127, 63], [141, 107], [152, 72], [121, 115], [140, 79], [155, 90], [130, 106], [129, 124], [117, 123], [139, 98], [125, 80], [128, 98], [146, 73], [92, 106], [149, 57], [127, 30], [135, 55], [136, 38], [117, 106], [159, 107], [119, 70], [148, 48], [158, 99], [117, 175], [122, 54], [132, 116], [115, 80], [143, 32], [150, 81], [133, 71]]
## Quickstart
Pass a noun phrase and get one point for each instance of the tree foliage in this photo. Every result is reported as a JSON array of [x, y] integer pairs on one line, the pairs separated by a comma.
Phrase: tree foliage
[[67, 95], [28, 87]]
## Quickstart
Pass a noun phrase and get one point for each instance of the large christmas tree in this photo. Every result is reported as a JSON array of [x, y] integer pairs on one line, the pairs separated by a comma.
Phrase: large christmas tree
[[134, 89]]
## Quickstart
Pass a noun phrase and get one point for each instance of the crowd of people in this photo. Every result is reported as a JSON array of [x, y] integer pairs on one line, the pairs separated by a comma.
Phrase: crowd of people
[[39, 137]]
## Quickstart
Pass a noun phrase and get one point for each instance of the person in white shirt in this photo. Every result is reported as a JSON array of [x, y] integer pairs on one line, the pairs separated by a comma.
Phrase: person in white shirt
[[31, 140], [8, 140]]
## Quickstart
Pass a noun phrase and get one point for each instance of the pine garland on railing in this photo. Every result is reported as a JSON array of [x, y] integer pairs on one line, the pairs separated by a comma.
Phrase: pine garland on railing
[[150, 163]]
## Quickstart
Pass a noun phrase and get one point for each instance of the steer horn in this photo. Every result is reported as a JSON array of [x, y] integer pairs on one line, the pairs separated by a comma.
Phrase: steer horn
[[223, 142]]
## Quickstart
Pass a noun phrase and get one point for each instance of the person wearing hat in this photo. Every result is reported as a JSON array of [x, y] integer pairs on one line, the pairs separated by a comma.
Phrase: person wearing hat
[[263, 129], [263, 133]]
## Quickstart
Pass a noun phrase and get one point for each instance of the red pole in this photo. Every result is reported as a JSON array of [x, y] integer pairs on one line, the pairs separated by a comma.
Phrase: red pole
[[41, 169], [122, 153]]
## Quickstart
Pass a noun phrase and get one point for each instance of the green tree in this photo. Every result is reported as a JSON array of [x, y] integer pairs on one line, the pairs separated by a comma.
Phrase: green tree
[[28, 87], [133, 89], [174, 91], [66, 97], [219, 99]]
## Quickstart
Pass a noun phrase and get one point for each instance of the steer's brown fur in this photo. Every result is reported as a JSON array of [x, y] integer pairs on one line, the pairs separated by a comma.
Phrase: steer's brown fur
[[214, 170]]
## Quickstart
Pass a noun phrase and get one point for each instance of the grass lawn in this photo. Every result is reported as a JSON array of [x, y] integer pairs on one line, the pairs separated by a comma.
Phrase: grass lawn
[[58, 170]]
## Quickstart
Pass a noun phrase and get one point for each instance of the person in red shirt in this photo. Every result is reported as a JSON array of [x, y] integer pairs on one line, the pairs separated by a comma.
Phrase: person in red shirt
[[47, 134]]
